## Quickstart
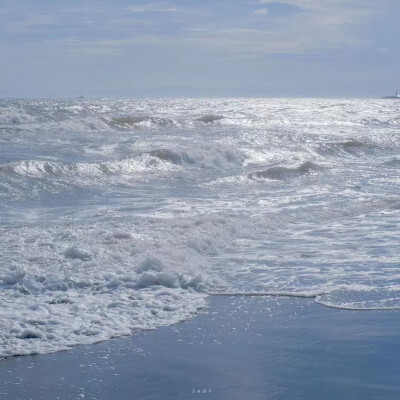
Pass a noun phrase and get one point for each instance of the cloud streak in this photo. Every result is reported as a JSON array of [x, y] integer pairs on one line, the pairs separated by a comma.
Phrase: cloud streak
[[261, 11], [153, 8]]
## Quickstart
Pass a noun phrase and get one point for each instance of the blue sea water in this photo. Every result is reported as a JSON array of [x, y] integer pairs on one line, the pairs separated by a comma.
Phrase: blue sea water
[[122, 215]]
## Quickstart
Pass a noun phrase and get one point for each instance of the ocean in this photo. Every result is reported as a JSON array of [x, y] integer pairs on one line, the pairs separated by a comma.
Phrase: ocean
[[126, 214]]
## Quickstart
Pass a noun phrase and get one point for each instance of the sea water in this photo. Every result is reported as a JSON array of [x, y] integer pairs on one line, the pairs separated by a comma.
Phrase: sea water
[[122, 215]]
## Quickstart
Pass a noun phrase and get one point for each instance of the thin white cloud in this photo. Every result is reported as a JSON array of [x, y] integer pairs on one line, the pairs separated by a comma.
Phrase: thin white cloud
[[235, 42], [30, 23], [261, 11], [152, 7]]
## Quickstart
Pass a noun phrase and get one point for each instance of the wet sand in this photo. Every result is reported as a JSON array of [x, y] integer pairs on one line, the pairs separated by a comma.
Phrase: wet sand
[[239, 348]]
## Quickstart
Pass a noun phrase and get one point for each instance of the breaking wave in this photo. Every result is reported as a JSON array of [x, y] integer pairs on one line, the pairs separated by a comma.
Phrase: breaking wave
[[216, 157], [210, 118], [213, 157], [350, 147], [127, 122], [64, 285], [35, 168], [280, 172]]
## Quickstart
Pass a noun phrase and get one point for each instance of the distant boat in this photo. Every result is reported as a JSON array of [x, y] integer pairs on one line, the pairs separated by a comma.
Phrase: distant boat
[[396, 96], [82, 96]]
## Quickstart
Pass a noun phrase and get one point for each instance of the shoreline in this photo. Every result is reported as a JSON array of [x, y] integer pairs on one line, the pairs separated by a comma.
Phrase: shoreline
[[239, 347]]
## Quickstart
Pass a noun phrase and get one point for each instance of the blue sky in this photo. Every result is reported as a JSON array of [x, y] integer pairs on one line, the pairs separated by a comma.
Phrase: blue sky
[[328, 48]]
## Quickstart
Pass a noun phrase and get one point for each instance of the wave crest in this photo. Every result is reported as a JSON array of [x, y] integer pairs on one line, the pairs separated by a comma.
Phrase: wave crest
[[40, 168], [213, 157], [144, 121], [350, 147], [210, 118], [281, 173], [361, 299]]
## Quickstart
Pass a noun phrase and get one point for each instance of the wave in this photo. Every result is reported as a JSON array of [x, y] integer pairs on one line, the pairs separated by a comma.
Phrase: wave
[[104, 123], [212, 157], [281, 173], [379, 122], [393, 162], [39, 168], [145, 121], [361, 300], [368, 299], [351, 144], [14, 117], [148, 121], [350, 147], [66, 285], [210, 118], [164, 159]]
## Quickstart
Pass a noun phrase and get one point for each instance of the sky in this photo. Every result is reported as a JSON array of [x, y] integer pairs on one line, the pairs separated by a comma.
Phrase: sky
[[199, 48]]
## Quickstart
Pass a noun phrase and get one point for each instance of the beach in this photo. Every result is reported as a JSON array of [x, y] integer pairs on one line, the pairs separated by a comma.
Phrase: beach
[[238, 348], [199, 200]]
